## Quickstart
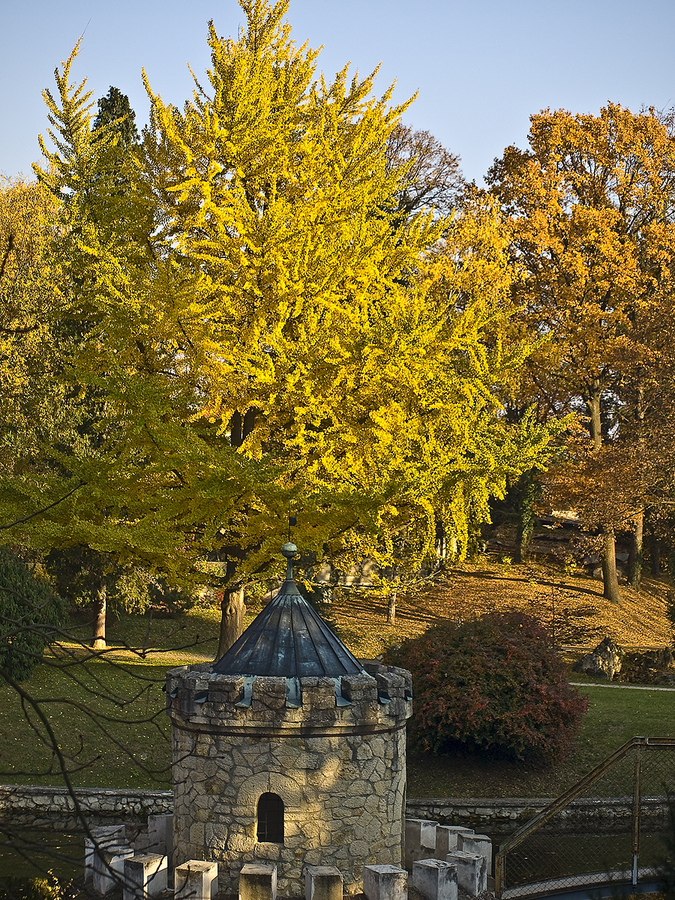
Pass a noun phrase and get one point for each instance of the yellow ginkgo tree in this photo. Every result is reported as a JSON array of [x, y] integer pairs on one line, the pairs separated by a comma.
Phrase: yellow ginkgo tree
[[258, 324]]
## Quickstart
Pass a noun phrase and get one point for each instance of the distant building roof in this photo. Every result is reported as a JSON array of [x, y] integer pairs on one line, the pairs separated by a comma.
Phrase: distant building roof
[[289, 639]]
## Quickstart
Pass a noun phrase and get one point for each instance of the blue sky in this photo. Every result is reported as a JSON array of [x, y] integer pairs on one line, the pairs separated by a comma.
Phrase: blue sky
[[480, 67]]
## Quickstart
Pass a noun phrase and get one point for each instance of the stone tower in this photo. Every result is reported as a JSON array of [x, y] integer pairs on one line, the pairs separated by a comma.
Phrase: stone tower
[[289, 750]]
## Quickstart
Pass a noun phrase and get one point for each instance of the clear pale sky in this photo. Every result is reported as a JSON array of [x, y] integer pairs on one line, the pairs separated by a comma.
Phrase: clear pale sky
[[480, 67]]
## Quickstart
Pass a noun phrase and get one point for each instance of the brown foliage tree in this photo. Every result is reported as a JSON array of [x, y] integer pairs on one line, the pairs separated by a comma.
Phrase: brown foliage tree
[[592, 208]]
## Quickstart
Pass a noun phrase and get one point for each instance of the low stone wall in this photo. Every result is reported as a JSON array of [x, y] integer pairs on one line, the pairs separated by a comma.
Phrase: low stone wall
[[505, 815], [53, 807], [502, 814]]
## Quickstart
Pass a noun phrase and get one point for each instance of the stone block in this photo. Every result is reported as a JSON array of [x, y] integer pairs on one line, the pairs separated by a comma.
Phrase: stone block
[[420, 835], [471, 871], [269, 692], [323, 883], [144, 876], [480, 844], [390, 684], [109, 867], [359, 687], [258, 881], [196, 880], [435, 879], [448, 839], [318, 693], [385, 883], [103, 836]]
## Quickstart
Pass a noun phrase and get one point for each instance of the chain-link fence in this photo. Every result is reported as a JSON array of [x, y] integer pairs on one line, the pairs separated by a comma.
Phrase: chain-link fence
[[612, 826]]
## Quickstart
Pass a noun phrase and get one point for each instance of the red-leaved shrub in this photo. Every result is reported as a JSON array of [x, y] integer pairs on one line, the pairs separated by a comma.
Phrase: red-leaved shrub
[[491, 684]]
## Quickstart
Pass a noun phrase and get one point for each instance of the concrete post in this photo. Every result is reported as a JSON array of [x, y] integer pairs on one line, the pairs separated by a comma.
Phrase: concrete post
[[435, 879], [323, 883], [196, 880], [385, 883], [160, 835], [109, 867], [258, 881], [420, 835], [471, 872], [102, 836], [480, 844], [144, 876], [447, 839]]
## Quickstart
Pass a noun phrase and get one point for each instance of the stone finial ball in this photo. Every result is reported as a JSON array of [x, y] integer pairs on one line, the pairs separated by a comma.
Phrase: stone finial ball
[[289, 550]]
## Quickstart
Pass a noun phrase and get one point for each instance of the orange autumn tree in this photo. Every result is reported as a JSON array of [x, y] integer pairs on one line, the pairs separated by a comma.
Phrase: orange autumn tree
[[591, 210]]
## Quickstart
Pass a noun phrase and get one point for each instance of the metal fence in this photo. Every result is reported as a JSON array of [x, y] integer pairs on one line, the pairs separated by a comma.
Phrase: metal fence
[[613, 826]]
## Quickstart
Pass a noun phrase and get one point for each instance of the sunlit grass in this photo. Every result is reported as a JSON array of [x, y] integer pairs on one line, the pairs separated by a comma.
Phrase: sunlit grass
[[107, 712], [614, 716]]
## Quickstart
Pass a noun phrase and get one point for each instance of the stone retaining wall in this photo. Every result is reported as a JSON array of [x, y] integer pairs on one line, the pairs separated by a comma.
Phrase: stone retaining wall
[[53, 807], [507, 814]]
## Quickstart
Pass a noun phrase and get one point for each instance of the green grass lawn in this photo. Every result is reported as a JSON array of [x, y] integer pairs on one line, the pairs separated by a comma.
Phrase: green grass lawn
[[107, 717], [614, 716]]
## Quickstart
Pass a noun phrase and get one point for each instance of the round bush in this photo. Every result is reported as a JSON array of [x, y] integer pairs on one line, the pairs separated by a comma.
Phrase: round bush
[[491, 684], [29, 614]]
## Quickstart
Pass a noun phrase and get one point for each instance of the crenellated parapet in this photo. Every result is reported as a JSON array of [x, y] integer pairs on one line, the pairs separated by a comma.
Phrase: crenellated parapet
[[379, 698]]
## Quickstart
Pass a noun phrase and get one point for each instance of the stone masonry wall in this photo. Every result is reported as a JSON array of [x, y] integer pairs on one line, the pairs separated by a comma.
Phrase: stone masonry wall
[[337, 761], [53, 808], [40, 806]]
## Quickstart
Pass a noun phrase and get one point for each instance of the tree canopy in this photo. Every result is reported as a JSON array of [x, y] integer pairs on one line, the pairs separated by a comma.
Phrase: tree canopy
[[253, 321], [590, 207]]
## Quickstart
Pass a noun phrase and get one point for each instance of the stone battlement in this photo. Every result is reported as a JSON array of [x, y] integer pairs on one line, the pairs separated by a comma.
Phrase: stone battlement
[[380, 698]]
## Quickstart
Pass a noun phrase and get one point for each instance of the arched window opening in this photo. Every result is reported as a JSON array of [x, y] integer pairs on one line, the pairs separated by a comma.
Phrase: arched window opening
[[271, 818]]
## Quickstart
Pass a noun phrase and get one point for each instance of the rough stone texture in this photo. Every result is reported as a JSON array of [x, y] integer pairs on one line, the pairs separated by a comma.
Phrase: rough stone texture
[[603, 813], [340, 771], [54, 807], [435, 879], [35, 807], [604, 661]]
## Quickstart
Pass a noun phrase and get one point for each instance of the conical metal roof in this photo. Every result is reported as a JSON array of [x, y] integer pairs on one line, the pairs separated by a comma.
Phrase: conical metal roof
[[288, 639]]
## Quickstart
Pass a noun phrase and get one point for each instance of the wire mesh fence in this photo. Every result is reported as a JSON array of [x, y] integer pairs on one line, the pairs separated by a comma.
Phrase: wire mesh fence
[[612, 826]]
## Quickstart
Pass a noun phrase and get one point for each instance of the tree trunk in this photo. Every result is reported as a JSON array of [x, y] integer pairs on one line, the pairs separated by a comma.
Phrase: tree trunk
[[235, 429], [609, 579], [635, 557], [595, 419], [100, 605], [232, 619], [440, 547], [391, 609]]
